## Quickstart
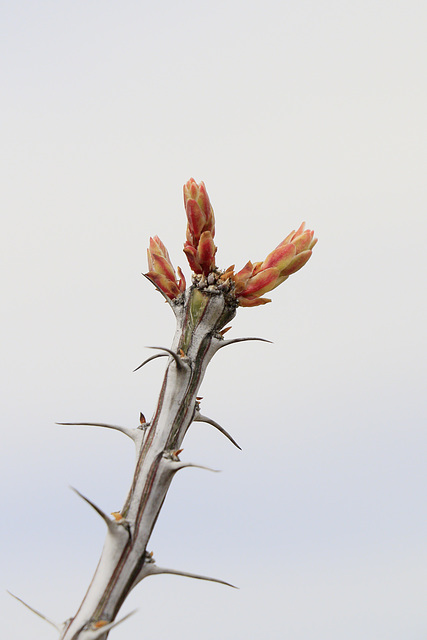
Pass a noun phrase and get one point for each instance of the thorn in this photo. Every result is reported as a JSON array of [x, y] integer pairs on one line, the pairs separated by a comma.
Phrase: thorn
[[185, 465], [199, 398], [40, 615], [127, 432], [116, 526], [155, 570], [181, 353], [158, 355], [99, 511], [223, 331], [100, 623], [178, 360], [176, 464], [200, 418], [224, 343], [172, 455], [142, 419]]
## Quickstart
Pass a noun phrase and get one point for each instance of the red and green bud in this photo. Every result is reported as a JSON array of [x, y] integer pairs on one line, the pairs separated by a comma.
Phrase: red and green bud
[[199, 246], [161, 271], [288, 257], [251, 282]]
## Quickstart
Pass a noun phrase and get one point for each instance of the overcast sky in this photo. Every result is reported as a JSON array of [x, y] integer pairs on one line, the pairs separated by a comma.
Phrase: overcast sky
[[288, 111]]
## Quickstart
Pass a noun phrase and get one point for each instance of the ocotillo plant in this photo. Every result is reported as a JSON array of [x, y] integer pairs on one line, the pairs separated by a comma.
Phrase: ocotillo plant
[[202, 312]]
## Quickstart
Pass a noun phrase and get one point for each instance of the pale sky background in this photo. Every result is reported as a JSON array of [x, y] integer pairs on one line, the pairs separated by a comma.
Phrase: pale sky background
[[288, 111]]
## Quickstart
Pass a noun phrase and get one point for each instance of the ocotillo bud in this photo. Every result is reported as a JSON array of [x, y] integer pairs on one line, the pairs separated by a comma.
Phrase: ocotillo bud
[[161, 270], [288, 257], [199, 246]]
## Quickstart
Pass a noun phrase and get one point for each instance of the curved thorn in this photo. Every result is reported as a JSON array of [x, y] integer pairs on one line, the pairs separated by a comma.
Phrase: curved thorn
[[40, 615], [178, 361], [110, 523], [224, 343], [127, 432], [158, 355], [168, 300], [200, 418], [184, 465], [155, 570]]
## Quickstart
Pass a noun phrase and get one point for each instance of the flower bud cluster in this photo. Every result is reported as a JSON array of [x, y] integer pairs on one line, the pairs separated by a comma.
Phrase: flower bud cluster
[[248, 285]]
